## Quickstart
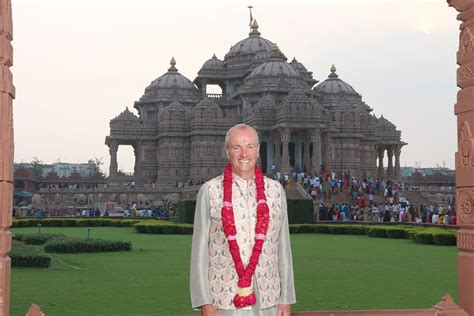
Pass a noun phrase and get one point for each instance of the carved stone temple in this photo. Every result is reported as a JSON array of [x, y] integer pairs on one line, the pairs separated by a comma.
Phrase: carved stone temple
[[179, 131]]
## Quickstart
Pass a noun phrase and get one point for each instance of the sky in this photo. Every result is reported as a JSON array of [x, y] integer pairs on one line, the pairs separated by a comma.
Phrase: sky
[[79, 63]]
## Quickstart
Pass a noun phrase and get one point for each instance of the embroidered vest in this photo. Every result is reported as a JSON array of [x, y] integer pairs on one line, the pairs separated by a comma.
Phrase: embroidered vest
[[222, 275]]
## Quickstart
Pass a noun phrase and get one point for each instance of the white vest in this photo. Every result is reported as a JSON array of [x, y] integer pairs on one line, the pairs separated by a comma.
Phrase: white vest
[[222, 275]]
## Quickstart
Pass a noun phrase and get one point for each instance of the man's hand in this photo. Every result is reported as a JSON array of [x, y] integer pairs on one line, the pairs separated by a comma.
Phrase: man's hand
[[284, 310], [209, 310]]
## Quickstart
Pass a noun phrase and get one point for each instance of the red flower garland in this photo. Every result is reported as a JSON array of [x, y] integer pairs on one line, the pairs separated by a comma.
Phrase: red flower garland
[[245, 295]]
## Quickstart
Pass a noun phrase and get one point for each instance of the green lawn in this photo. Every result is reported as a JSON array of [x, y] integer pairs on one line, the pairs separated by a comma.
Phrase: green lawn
[[331, 272]]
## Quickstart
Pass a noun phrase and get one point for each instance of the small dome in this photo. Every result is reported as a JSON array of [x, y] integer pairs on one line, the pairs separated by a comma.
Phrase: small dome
[[213, 63], [298, 66], [334, 85], [275, 66], [171, 79]]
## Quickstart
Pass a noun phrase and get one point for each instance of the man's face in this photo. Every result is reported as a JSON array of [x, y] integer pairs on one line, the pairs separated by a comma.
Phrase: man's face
[[243, 152]]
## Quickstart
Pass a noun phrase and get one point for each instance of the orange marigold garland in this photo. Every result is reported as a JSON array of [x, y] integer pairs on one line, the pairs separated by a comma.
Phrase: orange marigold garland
[[245, 295]]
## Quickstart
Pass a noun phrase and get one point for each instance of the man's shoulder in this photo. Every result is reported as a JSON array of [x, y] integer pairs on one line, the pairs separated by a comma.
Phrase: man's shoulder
[[272, 183], [214, 182]]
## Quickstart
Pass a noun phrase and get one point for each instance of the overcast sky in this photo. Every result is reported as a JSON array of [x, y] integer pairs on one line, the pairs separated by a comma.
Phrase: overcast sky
[[78, 64]]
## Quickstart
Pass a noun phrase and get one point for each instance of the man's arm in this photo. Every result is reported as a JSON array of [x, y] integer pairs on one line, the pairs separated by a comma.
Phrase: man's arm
[[285, 261], [199, 287]]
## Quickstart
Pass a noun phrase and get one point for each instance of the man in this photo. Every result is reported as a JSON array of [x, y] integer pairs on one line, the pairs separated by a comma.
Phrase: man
[[215, 283]]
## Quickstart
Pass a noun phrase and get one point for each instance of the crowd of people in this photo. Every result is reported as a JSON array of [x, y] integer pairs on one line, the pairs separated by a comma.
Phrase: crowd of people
[[366, 201]]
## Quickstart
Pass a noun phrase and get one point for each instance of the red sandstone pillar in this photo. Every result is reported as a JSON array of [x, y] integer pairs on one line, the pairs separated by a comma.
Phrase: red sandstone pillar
[[464, 109], [7, 93]]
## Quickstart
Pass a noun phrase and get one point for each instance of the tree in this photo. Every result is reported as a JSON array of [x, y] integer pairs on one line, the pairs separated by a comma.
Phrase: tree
[[37, 166], [95, 166]]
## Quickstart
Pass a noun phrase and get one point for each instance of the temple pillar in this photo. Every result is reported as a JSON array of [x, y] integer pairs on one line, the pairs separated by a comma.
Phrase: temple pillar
[[327, 151], [285, 135], [397, 173], [464, 159], [7, 94], [136, 152], [390, 162], [315, 139], [277, 144], [380, 152], [113, 148], [306, 155]]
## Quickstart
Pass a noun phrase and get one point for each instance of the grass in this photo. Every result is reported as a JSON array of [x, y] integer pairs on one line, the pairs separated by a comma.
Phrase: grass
[[331, 272]]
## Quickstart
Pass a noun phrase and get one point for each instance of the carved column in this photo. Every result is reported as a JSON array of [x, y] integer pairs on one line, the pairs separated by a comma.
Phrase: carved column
[[380, 151], [327, 151], [136, 167], [7, 93], [315, 138], [306, 155], [285, 134], [397, 173], [390, 162], [113, 148], [464, 109], [276, 143]]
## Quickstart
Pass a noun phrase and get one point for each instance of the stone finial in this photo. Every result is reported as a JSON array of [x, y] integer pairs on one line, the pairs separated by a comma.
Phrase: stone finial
[[214, 56], [173, 63], [275, 48], [333, 72], [254, 25]]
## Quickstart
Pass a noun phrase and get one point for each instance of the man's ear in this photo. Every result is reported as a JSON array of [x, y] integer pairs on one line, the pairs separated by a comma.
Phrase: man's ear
[[226, 153]]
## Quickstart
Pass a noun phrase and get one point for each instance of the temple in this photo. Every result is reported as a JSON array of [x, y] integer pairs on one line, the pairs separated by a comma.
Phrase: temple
[[180, 128]]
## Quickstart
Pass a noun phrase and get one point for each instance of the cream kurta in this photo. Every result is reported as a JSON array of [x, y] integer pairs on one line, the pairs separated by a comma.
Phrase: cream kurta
[[213, 276]]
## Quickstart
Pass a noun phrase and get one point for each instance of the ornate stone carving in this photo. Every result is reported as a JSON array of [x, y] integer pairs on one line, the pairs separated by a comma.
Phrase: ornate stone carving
[[465, 74], [464, 157], [465, 240], [466, 42], [465, 205]]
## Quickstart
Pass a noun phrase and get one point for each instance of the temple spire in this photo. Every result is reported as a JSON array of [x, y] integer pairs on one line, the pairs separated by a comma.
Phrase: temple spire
[[333, 73], [172, 63], [251, 17]]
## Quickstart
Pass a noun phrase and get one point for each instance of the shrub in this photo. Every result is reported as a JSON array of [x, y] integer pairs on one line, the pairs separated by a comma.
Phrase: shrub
[[29, 256], [153, 229], [321, 229], [185, 229], [185, 211], [424, 237], [300, 211], [169, 228], [294, 228], [355, 229], [75, 245], [337, 229], [39, 239], [17, 236], [305, 228], [380, 232], [140, 228], [393, 232], [444, 239]]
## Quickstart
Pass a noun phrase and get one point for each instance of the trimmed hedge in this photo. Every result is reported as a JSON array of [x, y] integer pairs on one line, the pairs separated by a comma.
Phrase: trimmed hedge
[[444, 239], [75, 222], [424, 238], [185, 211], [380, 232], [75, 245], [29, 256], [162, 228], [300, 211], [393, 232], [39, 239]]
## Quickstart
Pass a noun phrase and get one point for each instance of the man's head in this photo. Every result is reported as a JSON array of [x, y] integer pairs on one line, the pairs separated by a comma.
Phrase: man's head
[[242, 149]]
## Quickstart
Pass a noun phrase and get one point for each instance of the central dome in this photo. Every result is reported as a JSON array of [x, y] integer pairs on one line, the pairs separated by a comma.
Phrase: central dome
[[251, 45]]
